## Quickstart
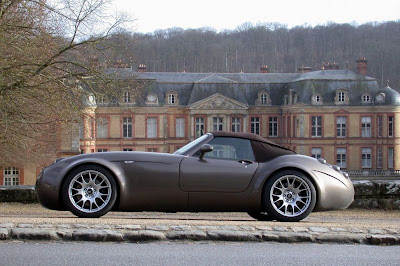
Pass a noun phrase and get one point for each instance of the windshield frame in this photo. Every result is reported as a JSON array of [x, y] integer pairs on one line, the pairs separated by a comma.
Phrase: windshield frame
[[186, 150]]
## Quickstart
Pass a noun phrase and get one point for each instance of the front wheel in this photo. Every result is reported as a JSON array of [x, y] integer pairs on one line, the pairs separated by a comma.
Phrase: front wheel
[[89, 191], [289, 196]]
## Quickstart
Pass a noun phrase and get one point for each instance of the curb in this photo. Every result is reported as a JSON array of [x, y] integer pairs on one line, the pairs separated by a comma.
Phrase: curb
[[139, 233]]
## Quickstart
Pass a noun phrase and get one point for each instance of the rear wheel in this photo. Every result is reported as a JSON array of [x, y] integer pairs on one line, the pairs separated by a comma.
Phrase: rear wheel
[[89, 191], [289, 196], [260, 216]]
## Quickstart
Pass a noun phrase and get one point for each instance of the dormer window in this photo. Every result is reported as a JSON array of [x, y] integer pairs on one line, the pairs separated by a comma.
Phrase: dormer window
[[100, 98], [263, 98], [366, 98], [342, 96], [172, 98], [316, 99], [127, 97]]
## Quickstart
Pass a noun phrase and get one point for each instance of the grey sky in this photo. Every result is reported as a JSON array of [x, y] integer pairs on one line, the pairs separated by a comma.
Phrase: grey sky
[[224, 14]]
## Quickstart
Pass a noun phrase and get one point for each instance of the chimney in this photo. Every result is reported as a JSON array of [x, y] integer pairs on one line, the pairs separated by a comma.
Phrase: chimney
[[304, 69], [362, 66], [142, 68], [264, 69]]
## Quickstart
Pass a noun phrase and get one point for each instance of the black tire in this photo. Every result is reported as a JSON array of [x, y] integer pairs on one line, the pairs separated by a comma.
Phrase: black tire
[[260, 216], [102, 192], [301, 195]]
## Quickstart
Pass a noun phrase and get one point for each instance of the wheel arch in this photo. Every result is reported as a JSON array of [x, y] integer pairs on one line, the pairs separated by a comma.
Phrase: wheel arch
[[303, 171], [109, 169]]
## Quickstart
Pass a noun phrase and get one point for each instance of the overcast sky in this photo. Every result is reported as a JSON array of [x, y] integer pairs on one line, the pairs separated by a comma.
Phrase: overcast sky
[[224, 14]]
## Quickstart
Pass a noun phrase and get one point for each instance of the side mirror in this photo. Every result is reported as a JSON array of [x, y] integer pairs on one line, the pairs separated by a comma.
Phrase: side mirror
[[204, 149]]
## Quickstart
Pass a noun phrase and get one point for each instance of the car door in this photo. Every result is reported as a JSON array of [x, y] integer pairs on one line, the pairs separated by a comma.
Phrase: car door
[[228, 168]]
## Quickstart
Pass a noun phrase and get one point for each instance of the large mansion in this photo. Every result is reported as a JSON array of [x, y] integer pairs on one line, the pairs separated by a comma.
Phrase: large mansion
[[342, 116]]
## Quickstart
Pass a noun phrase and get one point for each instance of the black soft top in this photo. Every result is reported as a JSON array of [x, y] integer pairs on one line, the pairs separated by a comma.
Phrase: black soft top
[[264, 150]]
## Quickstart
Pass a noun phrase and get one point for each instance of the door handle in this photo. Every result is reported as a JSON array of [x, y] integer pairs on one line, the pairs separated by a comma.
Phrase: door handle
[[246, 162]]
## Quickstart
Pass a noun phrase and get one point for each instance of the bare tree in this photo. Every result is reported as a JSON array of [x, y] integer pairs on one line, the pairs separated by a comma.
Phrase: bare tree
[[49, 54]]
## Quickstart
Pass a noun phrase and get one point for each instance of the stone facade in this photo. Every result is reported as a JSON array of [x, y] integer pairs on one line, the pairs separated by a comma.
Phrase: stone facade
[[336, 114]]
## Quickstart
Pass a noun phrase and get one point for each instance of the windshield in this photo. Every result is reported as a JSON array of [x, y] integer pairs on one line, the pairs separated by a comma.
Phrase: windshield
[[190, 145]]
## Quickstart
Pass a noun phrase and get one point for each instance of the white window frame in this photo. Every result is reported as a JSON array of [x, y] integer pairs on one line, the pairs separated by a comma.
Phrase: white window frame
[[341, 96], [379, 158], [341, 126], [366, 157], [127, 127], [236, 124], [390, 126], [11, 176], [199, 126], [316, 124], [218, 123], [366, 98], [380, 126], [263, 98], [127, 97], [171, 98], [102, 127], [273, 126], [366, 124], [341, 157], [390, 158], [152, 127], [255, 125], [180, 127], [316, 153]]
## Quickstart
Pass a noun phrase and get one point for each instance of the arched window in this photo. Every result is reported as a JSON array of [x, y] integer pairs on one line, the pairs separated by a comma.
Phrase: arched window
[[172, 98], [263, 98], [316, 99], [342, 96]]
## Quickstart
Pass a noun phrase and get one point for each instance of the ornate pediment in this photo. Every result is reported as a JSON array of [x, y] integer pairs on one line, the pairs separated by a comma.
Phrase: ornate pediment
[[218, 101]]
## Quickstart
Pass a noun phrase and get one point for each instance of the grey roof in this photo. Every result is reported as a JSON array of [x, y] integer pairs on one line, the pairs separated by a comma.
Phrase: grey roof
[[244, 87]]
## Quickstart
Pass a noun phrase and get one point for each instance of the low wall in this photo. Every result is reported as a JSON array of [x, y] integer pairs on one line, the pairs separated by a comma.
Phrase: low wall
[[369, 194]]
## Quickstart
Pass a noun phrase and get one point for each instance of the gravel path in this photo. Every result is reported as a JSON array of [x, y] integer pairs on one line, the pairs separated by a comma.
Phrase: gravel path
[[18, 213]]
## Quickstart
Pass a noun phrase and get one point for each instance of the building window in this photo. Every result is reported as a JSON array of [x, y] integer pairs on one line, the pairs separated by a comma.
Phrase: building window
[[316, 153], [11, 176], [366, 98], [127, 149], [391, 158], [341, 123], [380, 97], [273, 126], [263, 98], [218, 123], [341, 157], [366, 126], [199, 126], [379, 159], [180, 127], [255, 125], [380, 126], [127, 127], [341, 96], [236, 124], [316, 99], [390, 126], [171, 99], [152, 150], [101, 150], [316, 126], [152, 127], [102, 127], [127, 97], [100, 99], [366, 161]]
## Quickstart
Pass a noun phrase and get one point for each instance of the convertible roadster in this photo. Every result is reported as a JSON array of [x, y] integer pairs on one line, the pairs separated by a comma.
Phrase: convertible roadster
[[220, 171]]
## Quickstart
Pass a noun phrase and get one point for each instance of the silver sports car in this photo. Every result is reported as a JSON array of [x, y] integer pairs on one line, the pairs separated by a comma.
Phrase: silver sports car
[[220, 171]]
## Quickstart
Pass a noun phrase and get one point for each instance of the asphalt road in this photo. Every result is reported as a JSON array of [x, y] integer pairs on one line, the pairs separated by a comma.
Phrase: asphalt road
[[351, 218], [79, 253]]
